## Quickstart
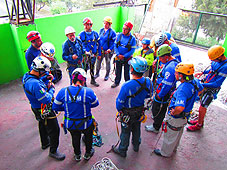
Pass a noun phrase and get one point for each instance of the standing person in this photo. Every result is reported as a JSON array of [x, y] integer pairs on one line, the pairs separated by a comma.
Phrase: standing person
[[147, 53], [212, 83], [124, 47], [40, 97], [91, 43], [166, 83], [107, 37], [130, 103], [179, 109], [72, 51], [77, 102], [34, 50]]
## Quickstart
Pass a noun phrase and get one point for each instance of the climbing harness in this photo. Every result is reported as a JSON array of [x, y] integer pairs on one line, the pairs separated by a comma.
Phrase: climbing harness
[[104, 164]]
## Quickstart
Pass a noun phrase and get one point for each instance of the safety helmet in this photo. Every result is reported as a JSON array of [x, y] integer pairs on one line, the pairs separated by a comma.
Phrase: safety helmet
[[79, 74], [128, 24], [87, 20], [160, 39], [47, 49], [146, 41], [215, 51], [33, 35], [69, 30], [168, 35], [41, 64], [139, 64], [187, 69], [108, 19], [164, 49]]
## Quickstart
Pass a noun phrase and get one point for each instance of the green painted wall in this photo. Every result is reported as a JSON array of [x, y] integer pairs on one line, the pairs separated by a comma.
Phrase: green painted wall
[[14, 43], [225, 45]]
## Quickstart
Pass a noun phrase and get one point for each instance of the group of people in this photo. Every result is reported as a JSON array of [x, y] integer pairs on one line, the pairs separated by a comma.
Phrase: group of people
[[159, 60]]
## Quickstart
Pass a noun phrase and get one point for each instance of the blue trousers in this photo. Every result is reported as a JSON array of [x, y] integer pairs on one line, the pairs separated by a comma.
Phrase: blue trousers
[[119, 65], [125, 136]]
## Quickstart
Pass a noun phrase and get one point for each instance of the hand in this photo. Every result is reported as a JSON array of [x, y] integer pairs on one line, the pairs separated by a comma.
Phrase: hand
[[87, 53], [172, 111], [121, 57], [50, 77], [198, 75], [99, 57], [154, 64], [50, 85], [74, 57], [108, 51]]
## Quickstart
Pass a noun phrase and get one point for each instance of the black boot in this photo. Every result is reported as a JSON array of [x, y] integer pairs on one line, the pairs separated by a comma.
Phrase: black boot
[[93, 82]]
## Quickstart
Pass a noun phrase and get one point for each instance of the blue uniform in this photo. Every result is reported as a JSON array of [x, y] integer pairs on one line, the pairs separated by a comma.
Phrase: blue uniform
[[91, 42], [129, 88], [80, 109], [70, 48], [107, 39], [175, 51], [134, 105], [166, 79], [215, 80], [38, 89], [184, 92], [121, 48], [30, 55]]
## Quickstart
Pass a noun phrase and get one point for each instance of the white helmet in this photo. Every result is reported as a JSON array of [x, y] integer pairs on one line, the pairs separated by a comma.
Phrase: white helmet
[[48, 50], [41, 64], [79, 74], [69, 30], [160, 39]]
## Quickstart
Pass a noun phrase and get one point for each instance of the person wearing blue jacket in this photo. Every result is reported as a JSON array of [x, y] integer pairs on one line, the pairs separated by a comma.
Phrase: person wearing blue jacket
[[166, 83], [124, 47], [40, 97], [130, 105], [91, 43], [179, 109], [77, 102], [107, 37], [73, 51], [34, 50], [212, 83]]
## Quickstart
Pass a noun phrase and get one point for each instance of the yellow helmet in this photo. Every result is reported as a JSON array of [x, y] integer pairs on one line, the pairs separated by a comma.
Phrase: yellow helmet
[[187, 69], [108, 19], [215, 51]]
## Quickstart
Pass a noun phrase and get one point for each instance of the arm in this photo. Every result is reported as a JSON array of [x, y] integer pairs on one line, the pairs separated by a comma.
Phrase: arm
[[99, 45], [66, 54], [115, 45], [133, 48], [121, 99], [58, 104], [94, 99], [113, 38]]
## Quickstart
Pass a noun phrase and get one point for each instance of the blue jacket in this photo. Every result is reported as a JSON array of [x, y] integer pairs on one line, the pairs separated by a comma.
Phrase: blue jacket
[[107, 39], [36, 91], [129, 88], [175, 51], [185, 95], [78, 109], [30, 55], [166, 81], [76, 48], [215, 77], [122, 49], [91, 41]]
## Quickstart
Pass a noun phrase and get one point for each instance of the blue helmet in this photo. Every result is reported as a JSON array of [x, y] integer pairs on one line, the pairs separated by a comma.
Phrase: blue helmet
[[139, 64], [168, 35], [146, 41]]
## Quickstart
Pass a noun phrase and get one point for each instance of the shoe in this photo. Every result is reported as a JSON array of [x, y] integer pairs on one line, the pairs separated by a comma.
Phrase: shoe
[[57, 155], [114, 85], [77, 157], [93, 82], [150, 128], [195, 127], [192, 122], [45, 146], [157, 152], [87, 156], [136, 149], [96, 76], [115, 150], [106, 78]]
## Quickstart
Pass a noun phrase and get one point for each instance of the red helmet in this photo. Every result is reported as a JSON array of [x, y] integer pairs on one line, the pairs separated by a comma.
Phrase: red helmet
[[33, 35], [128, 24], [87, 20]]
